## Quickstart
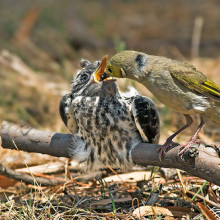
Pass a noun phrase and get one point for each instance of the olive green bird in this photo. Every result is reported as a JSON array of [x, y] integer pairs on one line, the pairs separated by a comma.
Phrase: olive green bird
[[176, 84]]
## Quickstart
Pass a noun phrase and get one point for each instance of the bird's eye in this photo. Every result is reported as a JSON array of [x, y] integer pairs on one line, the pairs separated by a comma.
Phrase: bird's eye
[[84, 77], [109, 69]]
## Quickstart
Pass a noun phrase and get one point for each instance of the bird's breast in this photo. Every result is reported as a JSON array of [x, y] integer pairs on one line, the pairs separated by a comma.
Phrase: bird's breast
[[107, 124]]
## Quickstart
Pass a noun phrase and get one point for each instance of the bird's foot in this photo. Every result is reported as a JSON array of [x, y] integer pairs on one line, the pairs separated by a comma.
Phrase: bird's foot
[[188, 145], [164, 148]]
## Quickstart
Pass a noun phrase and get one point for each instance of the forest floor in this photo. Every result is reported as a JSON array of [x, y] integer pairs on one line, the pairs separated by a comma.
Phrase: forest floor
[[36, 70]]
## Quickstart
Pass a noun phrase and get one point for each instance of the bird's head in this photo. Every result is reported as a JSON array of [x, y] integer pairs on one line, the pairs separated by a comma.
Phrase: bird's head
[[88, 81], [127, 64]]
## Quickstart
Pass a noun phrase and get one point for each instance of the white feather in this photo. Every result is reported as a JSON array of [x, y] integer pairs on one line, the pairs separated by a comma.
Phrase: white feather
[[131, 92], [144, 137]]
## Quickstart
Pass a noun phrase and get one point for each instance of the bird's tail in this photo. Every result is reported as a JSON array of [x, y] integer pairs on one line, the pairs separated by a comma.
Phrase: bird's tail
[[213, 113]]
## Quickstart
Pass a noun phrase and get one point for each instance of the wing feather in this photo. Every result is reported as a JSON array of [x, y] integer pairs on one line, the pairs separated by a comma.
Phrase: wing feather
[[146, 119], [66, 113], [195, 80]]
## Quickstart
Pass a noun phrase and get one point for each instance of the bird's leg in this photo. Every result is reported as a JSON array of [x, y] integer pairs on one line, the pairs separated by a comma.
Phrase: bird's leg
[[169, 140], [192, 139]]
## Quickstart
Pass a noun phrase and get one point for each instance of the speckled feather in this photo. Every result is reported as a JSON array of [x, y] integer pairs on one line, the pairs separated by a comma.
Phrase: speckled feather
[[111, 123]]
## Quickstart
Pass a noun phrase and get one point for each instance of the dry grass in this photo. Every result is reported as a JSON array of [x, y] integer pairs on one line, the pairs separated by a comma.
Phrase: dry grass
[[109, 199], [114, 197]]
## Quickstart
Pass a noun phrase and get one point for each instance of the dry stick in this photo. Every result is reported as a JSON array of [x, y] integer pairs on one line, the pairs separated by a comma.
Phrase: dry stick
[[126, 185], [26, 178], [198, 24], [204, 198], [206, 165], [27, 24], [48, 168], [33, 140]]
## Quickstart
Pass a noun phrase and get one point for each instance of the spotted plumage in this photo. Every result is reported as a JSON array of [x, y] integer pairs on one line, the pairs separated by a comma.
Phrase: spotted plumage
[[110, 122]]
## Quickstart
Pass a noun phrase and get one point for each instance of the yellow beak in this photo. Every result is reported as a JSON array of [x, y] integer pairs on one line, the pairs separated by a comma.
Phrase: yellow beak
[[100, 70]]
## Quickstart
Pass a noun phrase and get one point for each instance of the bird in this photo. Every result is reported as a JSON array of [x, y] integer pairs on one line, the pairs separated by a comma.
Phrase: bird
[[175, 83], [111, 123]]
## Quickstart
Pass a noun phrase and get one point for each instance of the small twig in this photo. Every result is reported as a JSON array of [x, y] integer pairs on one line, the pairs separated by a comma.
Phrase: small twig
[[196, 36], [126, 185], [181, 181], [140, 216], [27, 178], [27, 24], [48, 168], [203, 198]]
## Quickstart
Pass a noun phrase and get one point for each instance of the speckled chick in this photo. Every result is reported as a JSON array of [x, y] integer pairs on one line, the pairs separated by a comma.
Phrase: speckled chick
[[111, 123]]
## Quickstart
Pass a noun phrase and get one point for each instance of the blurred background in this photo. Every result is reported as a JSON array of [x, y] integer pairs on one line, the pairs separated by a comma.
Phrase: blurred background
[[42, 42]]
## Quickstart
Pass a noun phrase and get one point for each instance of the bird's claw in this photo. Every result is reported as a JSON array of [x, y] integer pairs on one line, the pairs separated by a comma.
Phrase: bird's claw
[[164, 148], [187, 146]]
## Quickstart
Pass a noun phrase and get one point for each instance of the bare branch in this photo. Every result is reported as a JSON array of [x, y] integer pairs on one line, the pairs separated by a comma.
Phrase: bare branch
[[33, 140], [205, 165]]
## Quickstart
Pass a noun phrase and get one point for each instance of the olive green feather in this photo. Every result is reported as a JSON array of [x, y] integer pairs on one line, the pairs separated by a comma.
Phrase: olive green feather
[[212, 88], [198, 82]]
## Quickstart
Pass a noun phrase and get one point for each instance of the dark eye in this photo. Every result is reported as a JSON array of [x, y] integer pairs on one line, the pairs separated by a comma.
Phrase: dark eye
[[109, 69], [84, 77]]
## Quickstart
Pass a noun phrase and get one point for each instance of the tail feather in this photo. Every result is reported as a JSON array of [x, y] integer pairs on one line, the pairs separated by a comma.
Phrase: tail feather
[[211, 90]]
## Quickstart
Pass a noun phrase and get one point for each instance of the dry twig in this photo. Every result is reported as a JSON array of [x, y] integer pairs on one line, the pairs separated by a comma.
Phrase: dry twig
[[26, 178]]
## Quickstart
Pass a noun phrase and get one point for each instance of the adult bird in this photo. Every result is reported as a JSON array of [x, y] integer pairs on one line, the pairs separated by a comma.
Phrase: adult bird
[[176, 84], [110, 122]]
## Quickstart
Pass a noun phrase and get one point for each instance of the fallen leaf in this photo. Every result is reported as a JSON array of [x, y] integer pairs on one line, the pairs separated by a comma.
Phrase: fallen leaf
[[6, 182], [172, 211], [206, 212], [49, 177], [151, 211], [181, 211]]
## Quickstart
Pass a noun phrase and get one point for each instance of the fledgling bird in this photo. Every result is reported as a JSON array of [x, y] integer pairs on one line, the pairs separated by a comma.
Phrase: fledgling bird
[[110, 122], [176, 84]]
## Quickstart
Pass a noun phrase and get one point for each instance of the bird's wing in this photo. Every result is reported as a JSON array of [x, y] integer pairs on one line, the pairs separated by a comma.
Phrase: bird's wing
[[146, 119], [67, 114], [195, 80]]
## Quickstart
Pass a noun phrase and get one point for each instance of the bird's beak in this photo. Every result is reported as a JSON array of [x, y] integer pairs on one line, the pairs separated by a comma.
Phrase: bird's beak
[[100, 70]]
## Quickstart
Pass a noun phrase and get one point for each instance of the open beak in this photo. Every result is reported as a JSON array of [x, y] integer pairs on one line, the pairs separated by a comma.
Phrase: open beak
[[100, 70]]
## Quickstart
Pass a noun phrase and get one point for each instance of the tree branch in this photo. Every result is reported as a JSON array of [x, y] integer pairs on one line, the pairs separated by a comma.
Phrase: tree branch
[[205, 164]]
